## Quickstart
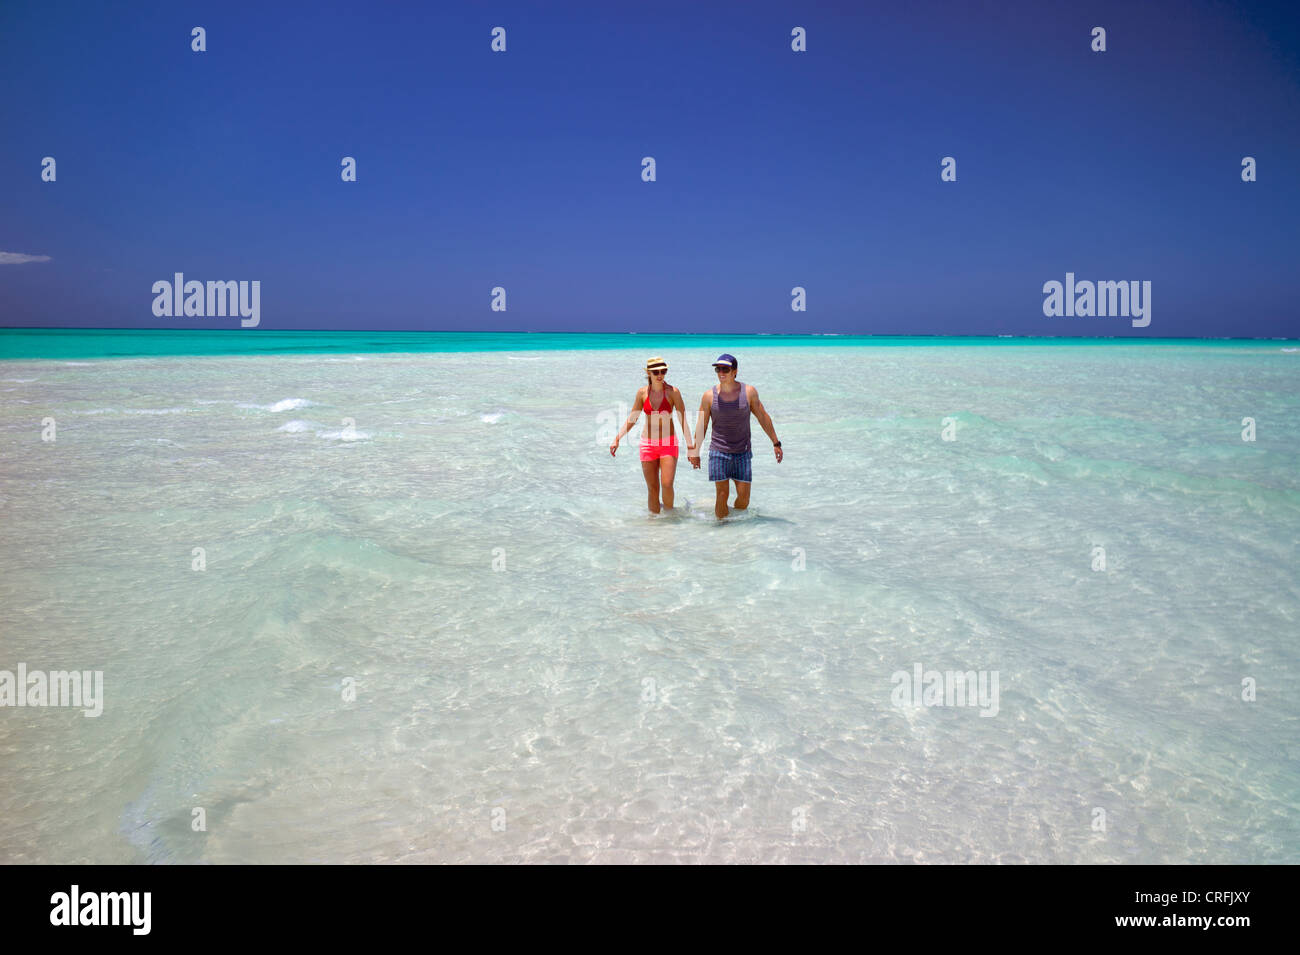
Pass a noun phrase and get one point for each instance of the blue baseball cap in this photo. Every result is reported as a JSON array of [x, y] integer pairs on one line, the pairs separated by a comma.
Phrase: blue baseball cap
[[725, 360]]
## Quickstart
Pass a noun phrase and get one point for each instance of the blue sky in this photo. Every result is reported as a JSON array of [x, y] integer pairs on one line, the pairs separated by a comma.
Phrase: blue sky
[[775, 169]]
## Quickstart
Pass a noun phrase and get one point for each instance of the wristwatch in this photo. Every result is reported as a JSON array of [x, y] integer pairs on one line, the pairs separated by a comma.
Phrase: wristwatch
[[776, 444]]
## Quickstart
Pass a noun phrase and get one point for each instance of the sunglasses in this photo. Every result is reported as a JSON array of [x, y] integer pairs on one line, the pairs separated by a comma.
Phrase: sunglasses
[[658, 371], [721, 368]]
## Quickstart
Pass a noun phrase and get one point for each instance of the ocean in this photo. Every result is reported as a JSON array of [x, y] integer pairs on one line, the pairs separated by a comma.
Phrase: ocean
[[386, 597]]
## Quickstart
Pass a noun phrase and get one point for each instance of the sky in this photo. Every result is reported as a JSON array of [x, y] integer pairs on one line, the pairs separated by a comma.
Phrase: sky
[[775, 169]]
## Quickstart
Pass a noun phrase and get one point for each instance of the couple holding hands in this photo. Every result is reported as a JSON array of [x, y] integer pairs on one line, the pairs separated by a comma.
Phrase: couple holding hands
[[728, 404]]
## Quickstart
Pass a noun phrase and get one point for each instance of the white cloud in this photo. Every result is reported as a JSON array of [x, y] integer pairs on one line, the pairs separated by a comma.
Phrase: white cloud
[[18, 258]]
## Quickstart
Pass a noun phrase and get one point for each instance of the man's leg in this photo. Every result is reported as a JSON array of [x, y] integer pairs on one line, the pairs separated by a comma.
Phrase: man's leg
[[720, 503], [742, 495], [721, 482], [742, 473]]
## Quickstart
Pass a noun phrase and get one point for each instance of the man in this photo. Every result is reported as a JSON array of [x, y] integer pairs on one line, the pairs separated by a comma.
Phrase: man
[[728, 404]]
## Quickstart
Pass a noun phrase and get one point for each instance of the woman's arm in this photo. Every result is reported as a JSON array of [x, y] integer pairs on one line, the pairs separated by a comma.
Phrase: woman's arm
[[631, 420]]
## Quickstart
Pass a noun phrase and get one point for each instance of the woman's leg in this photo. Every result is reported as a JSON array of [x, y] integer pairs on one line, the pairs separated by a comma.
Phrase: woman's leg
[[667, 471], [720, 502], [651, 471]]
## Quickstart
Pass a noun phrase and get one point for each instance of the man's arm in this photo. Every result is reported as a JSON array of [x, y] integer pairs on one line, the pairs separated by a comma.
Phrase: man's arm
[[764, 419], [702, 424]]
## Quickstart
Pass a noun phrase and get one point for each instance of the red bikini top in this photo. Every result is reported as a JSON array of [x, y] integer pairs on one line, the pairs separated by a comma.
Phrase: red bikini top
[[665, 408]]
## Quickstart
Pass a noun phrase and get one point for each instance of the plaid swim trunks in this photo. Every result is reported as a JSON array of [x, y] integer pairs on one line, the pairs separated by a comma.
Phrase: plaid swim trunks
[[730, 467]]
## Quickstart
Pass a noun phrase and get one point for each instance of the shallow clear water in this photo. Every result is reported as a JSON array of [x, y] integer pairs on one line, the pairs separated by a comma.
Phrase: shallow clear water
[[637, 688]]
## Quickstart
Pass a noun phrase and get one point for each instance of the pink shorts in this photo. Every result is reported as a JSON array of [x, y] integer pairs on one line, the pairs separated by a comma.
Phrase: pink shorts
[[654, 450]]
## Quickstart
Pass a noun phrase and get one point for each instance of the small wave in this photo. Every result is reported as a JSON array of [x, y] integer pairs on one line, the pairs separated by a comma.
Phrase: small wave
[[25, 381], [524, 358], [296, 426], [300, 426], [79, 362], [158, 410], [492, 418], [288, 404], [345, 435]]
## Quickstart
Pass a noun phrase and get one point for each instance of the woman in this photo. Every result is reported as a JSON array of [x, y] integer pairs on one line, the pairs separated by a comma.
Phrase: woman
[[658, 440]]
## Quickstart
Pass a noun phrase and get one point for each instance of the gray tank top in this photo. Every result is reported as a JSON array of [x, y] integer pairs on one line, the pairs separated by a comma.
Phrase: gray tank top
[[730, 422]]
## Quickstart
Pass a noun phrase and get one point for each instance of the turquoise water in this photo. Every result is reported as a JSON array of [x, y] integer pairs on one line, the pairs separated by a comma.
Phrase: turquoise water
[[70, 343], [545, 672]]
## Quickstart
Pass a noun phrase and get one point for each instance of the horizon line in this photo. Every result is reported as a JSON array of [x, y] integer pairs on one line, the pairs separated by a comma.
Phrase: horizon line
[[490, 331]]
